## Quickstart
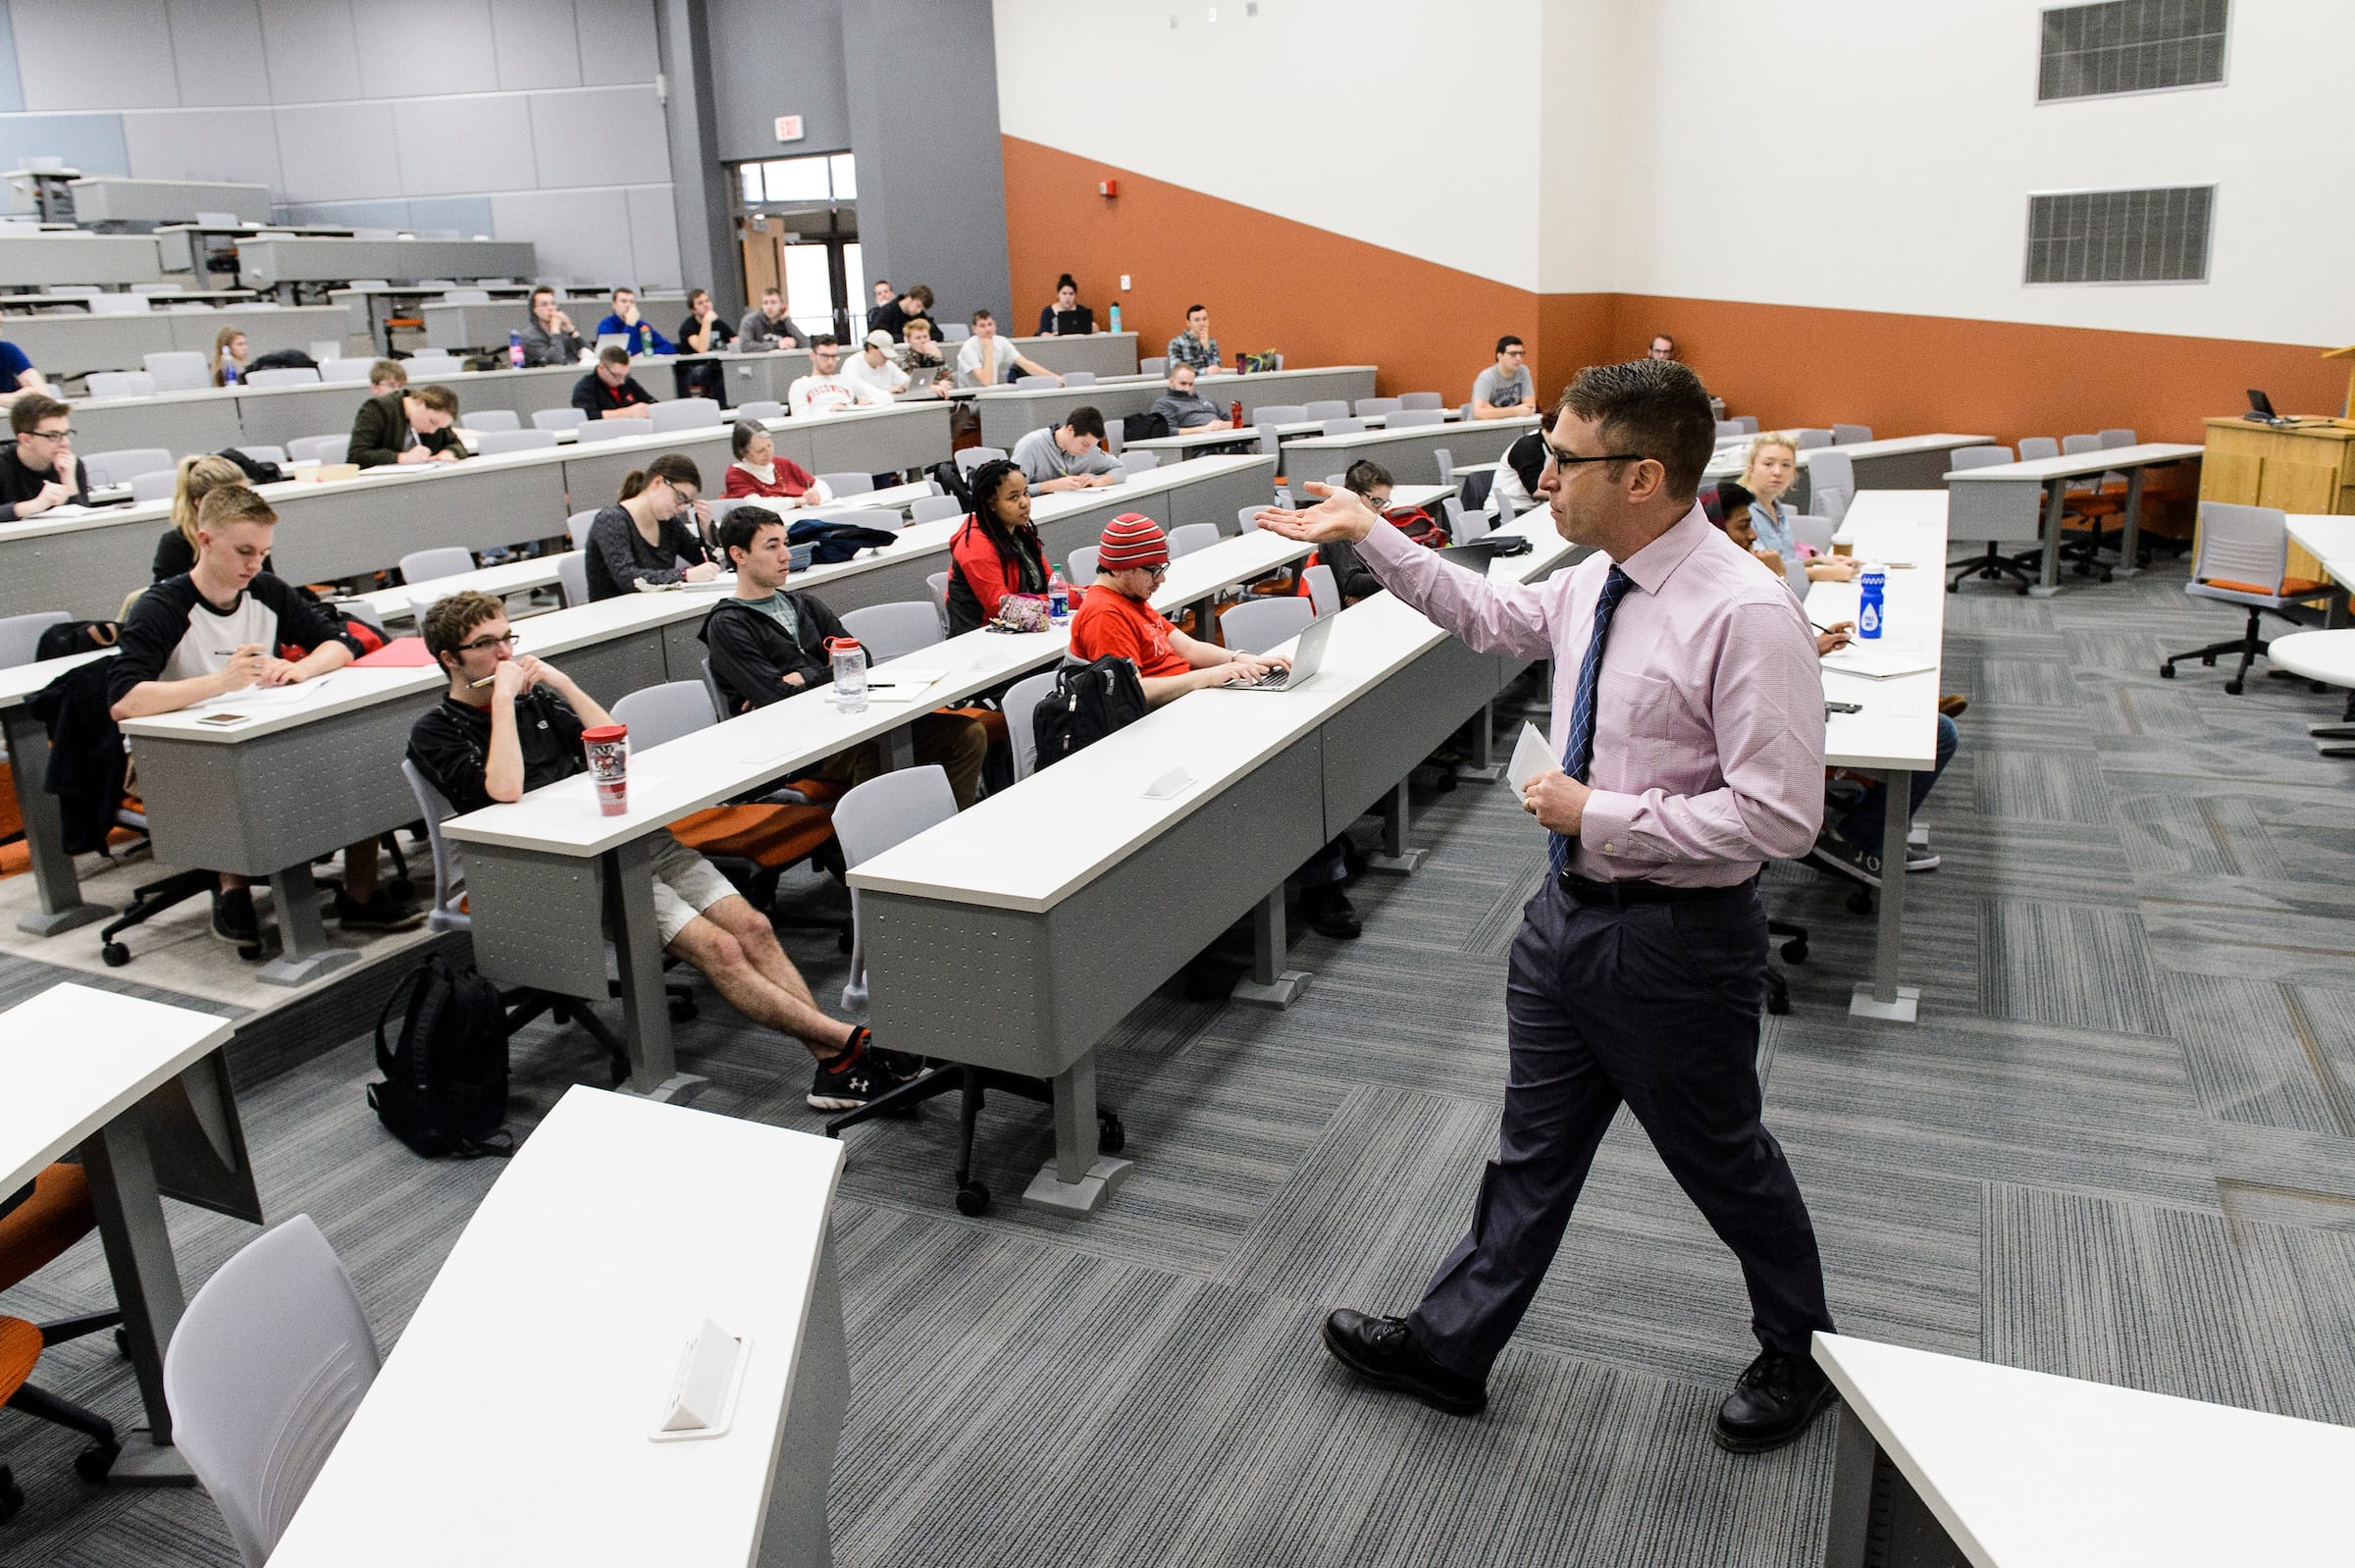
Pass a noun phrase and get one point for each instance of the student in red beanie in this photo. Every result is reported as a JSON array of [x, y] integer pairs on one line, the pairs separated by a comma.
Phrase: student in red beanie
[[1117, 617]]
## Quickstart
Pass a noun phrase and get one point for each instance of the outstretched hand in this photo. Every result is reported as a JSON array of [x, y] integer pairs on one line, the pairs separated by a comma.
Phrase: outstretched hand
[[1339, 514]]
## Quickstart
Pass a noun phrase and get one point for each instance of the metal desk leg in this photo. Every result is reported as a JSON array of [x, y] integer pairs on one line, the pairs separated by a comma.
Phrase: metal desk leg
[[2130, 538], [303, 952], [1484, 769], [138, 1257], [638, 952], [1079, 1177], [796, 1531], [1884, 998], [2049, 582], [1271, 984], [1851, 1534], [1395, 855], [899, 748], [61, 907]]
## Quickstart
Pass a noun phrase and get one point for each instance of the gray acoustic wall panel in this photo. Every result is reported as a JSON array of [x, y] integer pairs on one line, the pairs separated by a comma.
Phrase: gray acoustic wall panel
[[217, 54], [770, 60], [448, 147], [654, 244], [576, 234], [413, 47], [599, 137], [617, 41], [337, 152], [94, 54], [313, 52], [537, 43], [239, 145]]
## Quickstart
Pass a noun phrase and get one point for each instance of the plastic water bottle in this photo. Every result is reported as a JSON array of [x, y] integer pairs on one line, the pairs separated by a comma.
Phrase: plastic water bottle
[[1116, 315], [1058, 597], [1870, 589], [515, 350], [850, 674], [228, 369]]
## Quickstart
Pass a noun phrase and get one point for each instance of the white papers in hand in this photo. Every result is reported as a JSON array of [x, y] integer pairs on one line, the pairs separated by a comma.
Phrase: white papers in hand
[[258, 699], [1532, 755]]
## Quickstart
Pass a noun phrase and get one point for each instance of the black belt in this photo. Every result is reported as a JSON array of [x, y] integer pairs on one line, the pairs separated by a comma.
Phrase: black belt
[[1586, 890]]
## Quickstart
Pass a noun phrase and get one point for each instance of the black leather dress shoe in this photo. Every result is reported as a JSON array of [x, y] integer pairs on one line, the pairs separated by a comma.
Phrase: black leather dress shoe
[[1381, 1350], [1773, 1402], [1330, 913]]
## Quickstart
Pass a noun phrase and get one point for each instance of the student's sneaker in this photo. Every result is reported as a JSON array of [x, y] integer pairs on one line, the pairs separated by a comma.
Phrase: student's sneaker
[[1920, 858], [234, 920], [848, 1082], [1954, 704], [377, 913], [1328, 912], [1841, 856]]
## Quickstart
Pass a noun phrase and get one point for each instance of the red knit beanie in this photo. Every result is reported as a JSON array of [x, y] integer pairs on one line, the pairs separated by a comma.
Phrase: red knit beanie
[[1133, 539]]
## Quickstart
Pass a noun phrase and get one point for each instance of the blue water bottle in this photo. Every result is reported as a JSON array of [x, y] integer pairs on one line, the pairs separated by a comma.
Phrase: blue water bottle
[[229, 367], [1116, 315], [1870, 588], [515, 350]]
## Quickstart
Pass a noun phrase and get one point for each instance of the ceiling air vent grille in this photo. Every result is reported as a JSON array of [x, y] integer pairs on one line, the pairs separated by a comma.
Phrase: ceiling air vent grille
[[2131, 46], [2121, 236]]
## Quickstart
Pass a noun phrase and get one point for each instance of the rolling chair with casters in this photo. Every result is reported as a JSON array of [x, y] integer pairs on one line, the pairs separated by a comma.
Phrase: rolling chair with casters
[[1998, 564], [872, 818], [2243, 559], [52, 1218]]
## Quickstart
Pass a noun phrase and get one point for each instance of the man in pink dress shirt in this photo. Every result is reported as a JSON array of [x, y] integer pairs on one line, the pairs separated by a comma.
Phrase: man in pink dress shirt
[[1689, 715]]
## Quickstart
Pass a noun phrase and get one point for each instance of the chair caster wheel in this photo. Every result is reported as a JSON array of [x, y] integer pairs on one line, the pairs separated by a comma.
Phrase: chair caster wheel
[[93, 1462], [2167, 673], [1795, 951], [973, 1200], [115, 954], [1778, 1004], [123, 1340], [2208, 661], [2233, 687], [12, 1497], [1110, 1137], [251, 951], [1860, 902]]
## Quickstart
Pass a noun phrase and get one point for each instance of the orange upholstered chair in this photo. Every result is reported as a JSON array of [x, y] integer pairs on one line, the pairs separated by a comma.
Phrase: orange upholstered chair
[[55, 1215]]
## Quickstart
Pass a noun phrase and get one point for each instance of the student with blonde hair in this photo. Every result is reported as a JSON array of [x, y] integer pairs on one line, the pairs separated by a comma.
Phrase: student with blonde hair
[[199, 476], [1769, 470]]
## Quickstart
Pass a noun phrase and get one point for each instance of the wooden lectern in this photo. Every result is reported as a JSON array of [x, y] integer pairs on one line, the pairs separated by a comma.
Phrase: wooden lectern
[[2306, 466]]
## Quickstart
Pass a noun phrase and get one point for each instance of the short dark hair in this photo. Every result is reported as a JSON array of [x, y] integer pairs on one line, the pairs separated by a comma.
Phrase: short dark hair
[[1364, 474], [693, 294], [922, 293], [1085, 421], [676, 467], [441, 399], [612, 355], [741, 527], [1190, 309], [453, 616], [1656, 409], [30, 409], [873, 284], [983, 315], [1508, 340], [825, 339], [624, 289], [544, 289]]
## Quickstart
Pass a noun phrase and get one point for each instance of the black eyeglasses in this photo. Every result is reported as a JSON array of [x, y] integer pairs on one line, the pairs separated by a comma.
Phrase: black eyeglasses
[[1563, 459], [52, 435], [485, 643]]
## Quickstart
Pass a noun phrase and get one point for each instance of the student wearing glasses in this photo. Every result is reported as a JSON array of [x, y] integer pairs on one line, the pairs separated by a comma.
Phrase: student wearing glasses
[[1117, 617], [641, 541], [39, 472], [1505, 390]]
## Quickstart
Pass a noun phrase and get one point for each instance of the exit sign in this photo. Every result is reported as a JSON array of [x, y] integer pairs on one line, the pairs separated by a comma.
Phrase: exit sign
[[789, 127]]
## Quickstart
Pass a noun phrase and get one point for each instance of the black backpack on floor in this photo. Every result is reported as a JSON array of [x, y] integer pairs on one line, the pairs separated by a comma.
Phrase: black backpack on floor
[[445, 1082], [1089, 701]]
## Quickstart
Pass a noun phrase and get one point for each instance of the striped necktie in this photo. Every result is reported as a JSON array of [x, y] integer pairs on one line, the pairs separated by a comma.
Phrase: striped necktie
[[1579, 754]]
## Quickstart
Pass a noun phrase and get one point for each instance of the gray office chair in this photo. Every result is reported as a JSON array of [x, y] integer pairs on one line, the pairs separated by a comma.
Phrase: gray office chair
[[73, 291], [1728, 429], [1325, 408], [261, 451], [840, 484], [577, 526], [557, 419], [2246, 545], [1467, 527], [1247, 517], [1028, 383], [664, 712], [1368, 407], [1271, 442], [465, 296], [572, 578], [872, 817], [685, 413], [1136, 462], [1280, 414], [1421, 400], [955, 332], [1022, 724], [2035, 449], [120, 384], [1324, 592], [443, 560], [446, 912], [269, 1363], [1256, 625], [118, 305], [1157, 365], [1808, 439], [483, 421], [1998, 563], [1188, 538], [888, 631], [178, 370], [1850, 434], [492, 443], [344, 371], [161, 485], [20, 635], [938, 583], [1342, 427], [1446, 459], [161, 288], [1747, 422], [319, 448], [761, 408], [118, 466], [597, 430], [932, 508], [1081, 570], [1813, 530], [1831, 483], [424, 367], [1078, 378], [291, 376], [1411, 418], [972, 457]]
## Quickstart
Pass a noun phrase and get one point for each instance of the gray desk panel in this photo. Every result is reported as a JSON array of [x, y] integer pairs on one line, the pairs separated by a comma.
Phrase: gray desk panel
[[1007, 417], [1374, 742], [1107, 353], [40, 259], [761, 378], [1410, 458], [266, 331], [266, 263], [63, 345], [85, 573], [339, 533], [113, 198], [539, 920], [477, 326], [913, 434], [193, 423], [594, 477], [1905, 470], [1054, 996], [279, 415]]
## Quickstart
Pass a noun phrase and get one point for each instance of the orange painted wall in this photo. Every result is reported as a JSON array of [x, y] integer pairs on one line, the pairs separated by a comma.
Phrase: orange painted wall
[[1321, 298]]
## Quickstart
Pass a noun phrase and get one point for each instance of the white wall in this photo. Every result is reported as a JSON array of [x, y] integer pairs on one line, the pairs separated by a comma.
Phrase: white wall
[[1406, 124], [522, 119]]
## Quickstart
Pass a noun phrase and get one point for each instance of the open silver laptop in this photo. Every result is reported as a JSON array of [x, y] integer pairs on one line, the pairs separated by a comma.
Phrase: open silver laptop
[[1307, 654]]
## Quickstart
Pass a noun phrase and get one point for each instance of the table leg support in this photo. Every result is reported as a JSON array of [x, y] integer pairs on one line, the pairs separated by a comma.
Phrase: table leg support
[[62, 906], [1884, 998], [1271, 984], [146, 1280], [1484, 769], [796, 1530], [1849, 1535], [638, 951], [1394, 856], [1079, 1177], [2130, 538], [304, 951], [2049, 580], [898, 749]]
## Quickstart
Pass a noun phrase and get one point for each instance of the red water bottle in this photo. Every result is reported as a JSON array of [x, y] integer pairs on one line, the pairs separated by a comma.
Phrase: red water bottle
[[1234, 411]]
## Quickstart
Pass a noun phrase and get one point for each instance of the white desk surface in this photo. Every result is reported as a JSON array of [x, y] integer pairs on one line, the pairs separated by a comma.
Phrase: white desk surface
[[1419, 496], [1375, 438], [1735, 448], [2071, 466], [19, 681], [74, 1058], [516, 1406], [1899, 725], [694, 771], [1211, 435], [1093, 804], [1205, 384], [2028, 1470], [2318, 655], [2329, 540]]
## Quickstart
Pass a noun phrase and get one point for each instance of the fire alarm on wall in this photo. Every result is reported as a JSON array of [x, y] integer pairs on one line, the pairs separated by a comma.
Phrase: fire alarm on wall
[[1107, 187]]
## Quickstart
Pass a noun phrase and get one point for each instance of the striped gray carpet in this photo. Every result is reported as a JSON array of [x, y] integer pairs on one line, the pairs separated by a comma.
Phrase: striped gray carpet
[[2121, 1145]]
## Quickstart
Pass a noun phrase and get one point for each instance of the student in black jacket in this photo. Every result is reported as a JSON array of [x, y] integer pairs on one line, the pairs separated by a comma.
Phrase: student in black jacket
[[768, 643], [39, 472], [653, 536], [610, 391], [408, 425]]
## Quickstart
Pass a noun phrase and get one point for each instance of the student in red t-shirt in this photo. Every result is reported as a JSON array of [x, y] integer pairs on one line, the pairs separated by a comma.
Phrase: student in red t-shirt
[[1116, 618], [996, 551]]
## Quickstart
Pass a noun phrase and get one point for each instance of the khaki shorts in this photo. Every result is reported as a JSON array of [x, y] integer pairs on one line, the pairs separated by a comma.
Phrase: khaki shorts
[[685, 886]]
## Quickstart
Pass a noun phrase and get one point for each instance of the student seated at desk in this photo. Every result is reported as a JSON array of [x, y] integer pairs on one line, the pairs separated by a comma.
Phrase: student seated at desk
[[199, 476], [1180, 407], [653, 535], [218, 629], [892, 315], [767, 326], [521, 731], [997, 552], [989, 360], [1195, 349], [39, 471], [917, 352], [387, 374], [768, 643], [1519, 474], [758, 470], [1067, 316], [702, 332], [1355, 579], [548, 338], [229, 349], [610, 391], [1771, 468], [624, 319], [826, 390], [1070, 455], [1505, 390], [410, 425], [17, 375], [872, 369]]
